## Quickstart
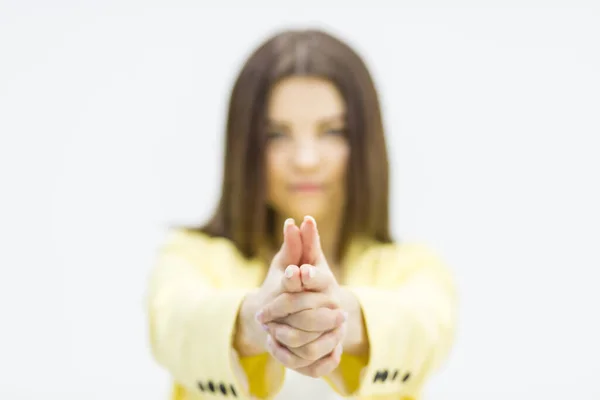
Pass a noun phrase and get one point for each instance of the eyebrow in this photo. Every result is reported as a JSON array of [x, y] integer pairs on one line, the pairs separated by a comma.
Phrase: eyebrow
[[322, 121], [333, 119]]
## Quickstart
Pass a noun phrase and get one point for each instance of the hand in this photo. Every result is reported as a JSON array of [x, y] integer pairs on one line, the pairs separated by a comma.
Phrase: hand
[[306, 328], [305, 331], [283, 276]]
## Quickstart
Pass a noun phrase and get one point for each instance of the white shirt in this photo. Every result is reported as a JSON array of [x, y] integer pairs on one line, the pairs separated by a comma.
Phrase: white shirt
[[302, 387]]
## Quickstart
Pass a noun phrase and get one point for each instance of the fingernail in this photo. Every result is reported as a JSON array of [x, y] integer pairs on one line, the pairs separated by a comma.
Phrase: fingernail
[[265, 327], [288, 222], [345, 315], [289, 271], [312, 271], [258, 316], [309, 218]]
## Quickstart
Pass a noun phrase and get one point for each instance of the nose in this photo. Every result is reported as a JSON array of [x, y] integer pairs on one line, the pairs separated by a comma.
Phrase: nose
[[306, 155]]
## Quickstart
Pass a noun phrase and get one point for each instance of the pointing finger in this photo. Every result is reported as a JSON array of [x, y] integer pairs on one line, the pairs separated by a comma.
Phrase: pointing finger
[[291, 249], [311, 243]]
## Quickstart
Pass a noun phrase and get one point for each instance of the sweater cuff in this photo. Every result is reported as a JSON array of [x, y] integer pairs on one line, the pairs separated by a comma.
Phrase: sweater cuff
[[395, 349], [215, 364]]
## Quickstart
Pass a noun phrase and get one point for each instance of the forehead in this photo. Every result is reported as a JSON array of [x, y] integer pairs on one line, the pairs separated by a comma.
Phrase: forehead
[[303, 98]]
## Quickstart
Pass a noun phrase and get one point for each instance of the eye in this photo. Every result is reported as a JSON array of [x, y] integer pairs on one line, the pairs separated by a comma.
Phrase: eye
[[275, 134], [336, 132]]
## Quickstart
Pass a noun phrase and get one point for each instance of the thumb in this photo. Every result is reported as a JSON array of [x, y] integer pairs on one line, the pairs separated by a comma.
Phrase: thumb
[[291, 249], [312, 252]]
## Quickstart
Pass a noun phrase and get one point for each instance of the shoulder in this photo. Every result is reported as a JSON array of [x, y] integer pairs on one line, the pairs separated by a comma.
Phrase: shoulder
[[189, 238], [409, 253], [194, 245], [215, 259], [395, 252], [397, 260]]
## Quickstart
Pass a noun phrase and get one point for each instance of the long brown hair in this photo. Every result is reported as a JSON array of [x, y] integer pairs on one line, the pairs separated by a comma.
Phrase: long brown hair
[[243, 215]]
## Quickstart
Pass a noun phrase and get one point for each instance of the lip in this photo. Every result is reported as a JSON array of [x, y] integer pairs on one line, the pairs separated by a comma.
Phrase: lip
[[307, 187]]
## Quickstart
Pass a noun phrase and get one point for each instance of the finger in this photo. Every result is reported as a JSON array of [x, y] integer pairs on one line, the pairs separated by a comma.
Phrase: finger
[[287, 304], [284, 356], [324, 366], [319, 320], [291, 281], [291, 337], [316, 279], [311, 243], [321, 346], [291, 248]]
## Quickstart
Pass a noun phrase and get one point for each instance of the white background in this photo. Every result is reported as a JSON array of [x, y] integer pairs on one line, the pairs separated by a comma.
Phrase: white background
[[111, 121]]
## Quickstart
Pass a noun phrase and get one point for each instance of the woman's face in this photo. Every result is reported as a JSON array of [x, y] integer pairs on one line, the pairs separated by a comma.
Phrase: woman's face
[[307, 150]]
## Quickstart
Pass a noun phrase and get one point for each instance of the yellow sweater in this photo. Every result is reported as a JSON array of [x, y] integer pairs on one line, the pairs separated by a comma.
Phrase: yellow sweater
[[406, 292]]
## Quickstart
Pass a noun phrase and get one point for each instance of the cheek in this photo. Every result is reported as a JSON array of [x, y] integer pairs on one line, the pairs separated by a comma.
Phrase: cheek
[[339, 156], [275, 170]]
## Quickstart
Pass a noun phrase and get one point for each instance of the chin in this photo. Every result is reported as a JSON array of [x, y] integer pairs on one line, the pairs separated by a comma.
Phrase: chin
[[298, 208], [316, 212]]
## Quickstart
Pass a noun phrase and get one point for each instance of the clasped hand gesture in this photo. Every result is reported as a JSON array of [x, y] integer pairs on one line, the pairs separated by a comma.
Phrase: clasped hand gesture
[[301, 310]]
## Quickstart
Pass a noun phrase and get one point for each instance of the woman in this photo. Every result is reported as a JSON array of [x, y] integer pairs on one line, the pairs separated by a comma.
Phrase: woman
[[236, 304]]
